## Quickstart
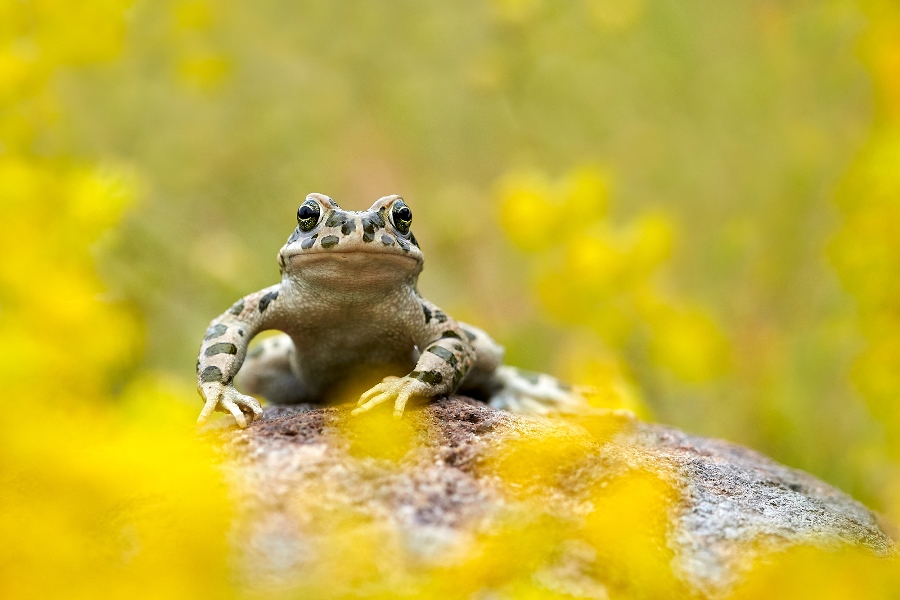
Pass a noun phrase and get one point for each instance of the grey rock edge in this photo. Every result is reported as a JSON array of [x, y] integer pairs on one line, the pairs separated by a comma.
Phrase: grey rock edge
[[735, 504]]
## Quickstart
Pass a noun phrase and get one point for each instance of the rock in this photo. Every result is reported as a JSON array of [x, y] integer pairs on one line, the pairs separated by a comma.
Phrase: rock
[[466, 470]]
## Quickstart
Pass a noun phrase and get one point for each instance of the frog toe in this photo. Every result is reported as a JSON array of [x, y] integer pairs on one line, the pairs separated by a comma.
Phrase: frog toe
[[208, 408], [372, 392], [245, 409], [235, 411], [540, 394], [248, 406], [400, 402], [368, 402], [398, 389]]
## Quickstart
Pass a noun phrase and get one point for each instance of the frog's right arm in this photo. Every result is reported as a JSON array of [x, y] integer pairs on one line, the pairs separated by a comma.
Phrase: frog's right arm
[[223, 350]]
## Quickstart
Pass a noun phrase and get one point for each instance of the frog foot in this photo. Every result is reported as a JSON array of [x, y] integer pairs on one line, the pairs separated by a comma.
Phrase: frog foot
[[398, 389], [525, 392], [229, 400]]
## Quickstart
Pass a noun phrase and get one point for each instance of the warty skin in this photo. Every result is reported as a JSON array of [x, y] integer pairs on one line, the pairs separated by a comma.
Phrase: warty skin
[[348, 308]]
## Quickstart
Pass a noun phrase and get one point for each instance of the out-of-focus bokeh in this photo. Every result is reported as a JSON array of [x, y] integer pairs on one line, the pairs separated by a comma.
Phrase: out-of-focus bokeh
[[692, 204]]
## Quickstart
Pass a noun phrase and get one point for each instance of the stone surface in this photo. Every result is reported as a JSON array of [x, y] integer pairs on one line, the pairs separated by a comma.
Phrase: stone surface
[[733, 504]]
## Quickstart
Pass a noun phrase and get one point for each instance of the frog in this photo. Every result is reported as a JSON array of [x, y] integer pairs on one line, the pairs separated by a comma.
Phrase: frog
[[348, 307]]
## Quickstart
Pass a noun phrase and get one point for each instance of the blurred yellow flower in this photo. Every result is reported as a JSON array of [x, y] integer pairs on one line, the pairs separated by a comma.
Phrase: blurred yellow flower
[[515, 11], [523, 462], [816, 574], [587, 361], [628, 528], [615, 14], [584, 194], [376, 434], [594, 262], [595, 275], [866, 250], [102, 495], [204, 71], [527, 212], [652, 237], [687, 342], [193, 15]]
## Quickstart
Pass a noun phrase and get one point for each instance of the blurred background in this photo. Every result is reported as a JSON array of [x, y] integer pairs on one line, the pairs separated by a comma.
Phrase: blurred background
[[694, 205]]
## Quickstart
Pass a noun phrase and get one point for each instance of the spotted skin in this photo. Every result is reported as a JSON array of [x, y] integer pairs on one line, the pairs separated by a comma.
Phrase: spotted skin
[[348, 307], [224, 348]]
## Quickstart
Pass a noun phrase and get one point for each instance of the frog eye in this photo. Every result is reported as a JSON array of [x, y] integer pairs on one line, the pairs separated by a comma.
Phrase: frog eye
[[401, 216], [308, 215]]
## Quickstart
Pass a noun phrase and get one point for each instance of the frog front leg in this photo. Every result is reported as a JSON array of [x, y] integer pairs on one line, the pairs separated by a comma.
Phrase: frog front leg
[[447, 358], [222, 353]]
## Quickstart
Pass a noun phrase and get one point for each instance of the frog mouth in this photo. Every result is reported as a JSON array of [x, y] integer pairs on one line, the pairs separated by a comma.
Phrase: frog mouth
[[353, 268], [351, 254]]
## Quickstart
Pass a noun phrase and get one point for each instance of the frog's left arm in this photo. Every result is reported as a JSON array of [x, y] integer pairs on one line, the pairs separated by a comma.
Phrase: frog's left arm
[[446, 357]]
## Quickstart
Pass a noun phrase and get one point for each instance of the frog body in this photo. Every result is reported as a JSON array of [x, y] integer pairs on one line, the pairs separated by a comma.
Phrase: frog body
[[349, 308]]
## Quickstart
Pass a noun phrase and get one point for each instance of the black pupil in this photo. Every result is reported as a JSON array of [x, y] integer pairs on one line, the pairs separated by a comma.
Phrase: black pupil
[[404, 214], [307, 212]]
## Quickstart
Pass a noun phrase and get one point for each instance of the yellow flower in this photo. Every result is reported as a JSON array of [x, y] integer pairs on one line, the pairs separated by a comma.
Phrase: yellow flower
[[628, 529], [615, 14], [688, 343], [814, 574], [528, 213], [593, 274]]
